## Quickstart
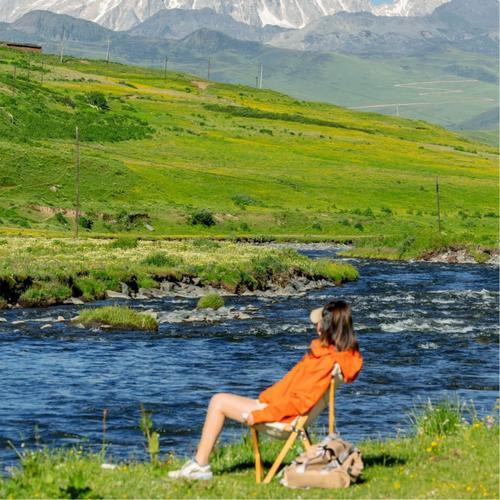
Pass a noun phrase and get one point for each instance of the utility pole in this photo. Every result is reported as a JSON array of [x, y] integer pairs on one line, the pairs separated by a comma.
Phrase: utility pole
[[165, 67], [43, 69], [397, 110], [109, 48], [438, 205], [77, 161], [261, 75], [257, 81], [61, 54], [208, 69]]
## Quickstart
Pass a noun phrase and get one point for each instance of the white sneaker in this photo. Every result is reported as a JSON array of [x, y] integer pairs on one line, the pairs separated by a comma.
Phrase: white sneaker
[[192, 470]]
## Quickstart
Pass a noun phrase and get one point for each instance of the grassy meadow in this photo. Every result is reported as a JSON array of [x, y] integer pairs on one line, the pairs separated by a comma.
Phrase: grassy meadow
[[44, 271], [445, 458], [172, 155]]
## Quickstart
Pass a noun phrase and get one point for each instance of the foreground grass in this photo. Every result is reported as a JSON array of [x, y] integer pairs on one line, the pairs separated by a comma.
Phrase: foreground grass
[[43, 271], [463, 464], [117, 317], [164, 150]]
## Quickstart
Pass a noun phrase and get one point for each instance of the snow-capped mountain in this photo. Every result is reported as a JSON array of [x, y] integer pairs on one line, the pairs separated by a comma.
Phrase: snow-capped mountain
[[124, 14], [409, 7]]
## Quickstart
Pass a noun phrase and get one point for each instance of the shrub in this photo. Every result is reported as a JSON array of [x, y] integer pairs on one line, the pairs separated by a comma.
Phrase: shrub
[[266, 131], [161, 259], [243, 200], [128, 221], [210, 301], [86, 222], [359, 226], [124, 243], [61, 219], [117, 317], [97, 100], [203, 218]]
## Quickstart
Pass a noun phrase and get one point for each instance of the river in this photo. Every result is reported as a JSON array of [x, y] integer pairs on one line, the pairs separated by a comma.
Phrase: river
[[425, 330]]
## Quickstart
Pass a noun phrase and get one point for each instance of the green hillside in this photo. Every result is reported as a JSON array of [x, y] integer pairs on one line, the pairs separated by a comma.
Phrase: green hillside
[[180, 156], [463, 84]]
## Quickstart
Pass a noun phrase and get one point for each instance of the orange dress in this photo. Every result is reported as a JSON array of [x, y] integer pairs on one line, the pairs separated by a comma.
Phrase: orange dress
[[303, 386]]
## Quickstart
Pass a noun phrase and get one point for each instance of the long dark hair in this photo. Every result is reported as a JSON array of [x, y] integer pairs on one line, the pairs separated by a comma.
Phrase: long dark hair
[[336, 327]]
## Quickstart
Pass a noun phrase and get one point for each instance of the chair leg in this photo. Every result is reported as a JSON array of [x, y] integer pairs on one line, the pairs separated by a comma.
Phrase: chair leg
[[281, 456], [256, 452]]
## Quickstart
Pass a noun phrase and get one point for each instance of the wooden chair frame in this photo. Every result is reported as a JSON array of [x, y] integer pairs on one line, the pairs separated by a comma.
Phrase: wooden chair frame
[[299, 428]]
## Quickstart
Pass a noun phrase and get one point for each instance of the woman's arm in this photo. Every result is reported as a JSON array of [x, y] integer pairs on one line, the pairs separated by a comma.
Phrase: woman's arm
[[279, 387]]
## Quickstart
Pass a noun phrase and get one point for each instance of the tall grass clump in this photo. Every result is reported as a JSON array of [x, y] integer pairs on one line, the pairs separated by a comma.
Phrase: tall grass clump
[[210, 301], [43, 293], [440, 418], [160, 259], [124, 243], [119, 317], [334, 271]]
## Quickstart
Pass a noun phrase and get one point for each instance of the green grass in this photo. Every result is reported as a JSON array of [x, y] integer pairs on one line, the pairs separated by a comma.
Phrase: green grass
[[210, 301], [44, 271], [458, 464], [341, 79], [118, 317], [262, 164]]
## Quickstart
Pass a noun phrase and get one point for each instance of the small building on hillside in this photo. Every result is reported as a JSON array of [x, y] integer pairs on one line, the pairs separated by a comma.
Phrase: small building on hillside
[[25, 47]]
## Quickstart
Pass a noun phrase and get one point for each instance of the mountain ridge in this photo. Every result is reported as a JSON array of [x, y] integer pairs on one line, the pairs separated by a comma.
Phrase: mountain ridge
[[121, 15]]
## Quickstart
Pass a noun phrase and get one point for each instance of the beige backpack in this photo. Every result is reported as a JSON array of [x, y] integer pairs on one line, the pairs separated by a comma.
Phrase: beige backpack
[[333, 463]]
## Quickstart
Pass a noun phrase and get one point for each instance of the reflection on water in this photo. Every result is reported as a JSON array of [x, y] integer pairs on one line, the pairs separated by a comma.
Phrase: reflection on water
[[424, 329]]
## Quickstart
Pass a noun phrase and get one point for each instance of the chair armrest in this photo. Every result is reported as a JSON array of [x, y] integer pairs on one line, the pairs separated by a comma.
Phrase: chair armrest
[[337, 373]]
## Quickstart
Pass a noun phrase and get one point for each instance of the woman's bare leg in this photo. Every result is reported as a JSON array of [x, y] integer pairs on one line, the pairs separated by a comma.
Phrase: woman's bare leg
[[221, 406]]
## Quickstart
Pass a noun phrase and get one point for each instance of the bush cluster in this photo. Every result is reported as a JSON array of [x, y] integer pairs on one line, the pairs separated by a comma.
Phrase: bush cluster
[[202, 217]]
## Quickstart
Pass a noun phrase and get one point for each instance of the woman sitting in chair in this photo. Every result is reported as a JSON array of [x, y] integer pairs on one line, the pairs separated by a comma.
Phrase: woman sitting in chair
[[295, 394]]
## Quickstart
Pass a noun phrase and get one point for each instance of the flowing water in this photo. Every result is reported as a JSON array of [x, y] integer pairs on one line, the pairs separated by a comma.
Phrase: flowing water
[[425, 330]]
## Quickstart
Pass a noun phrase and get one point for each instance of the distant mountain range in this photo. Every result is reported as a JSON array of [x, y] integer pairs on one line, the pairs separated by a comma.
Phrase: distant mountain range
[[467, 25], [470, 25], [125, 14]]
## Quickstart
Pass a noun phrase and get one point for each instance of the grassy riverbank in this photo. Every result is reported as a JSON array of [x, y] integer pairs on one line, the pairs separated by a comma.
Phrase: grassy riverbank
[[439, 462], [42, 271], [175, 155]]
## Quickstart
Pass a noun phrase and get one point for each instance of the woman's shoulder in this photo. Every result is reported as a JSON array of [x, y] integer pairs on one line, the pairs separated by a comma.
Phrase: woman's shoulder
[[317, 349]]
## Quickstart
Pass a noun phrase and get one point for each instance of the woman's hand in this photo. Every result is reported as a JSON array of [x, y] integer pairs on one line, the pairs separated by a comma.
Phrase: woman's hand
[[248, 418]]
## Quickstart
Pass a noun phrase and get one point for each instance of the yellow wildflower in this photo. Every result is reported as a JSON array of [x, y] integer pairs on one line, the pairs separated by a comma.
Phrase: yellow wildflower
[[397, 485]]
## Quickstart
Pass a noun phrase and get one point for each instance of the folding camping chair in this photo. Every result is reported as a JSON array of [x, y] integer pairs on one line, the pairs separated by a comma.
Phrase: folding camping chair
[[297, 427]]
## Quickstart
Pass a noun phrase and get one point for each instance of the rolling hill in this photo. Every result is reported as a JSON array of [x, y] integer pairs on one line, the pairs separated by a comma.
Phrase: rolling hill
[[171, 154]]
